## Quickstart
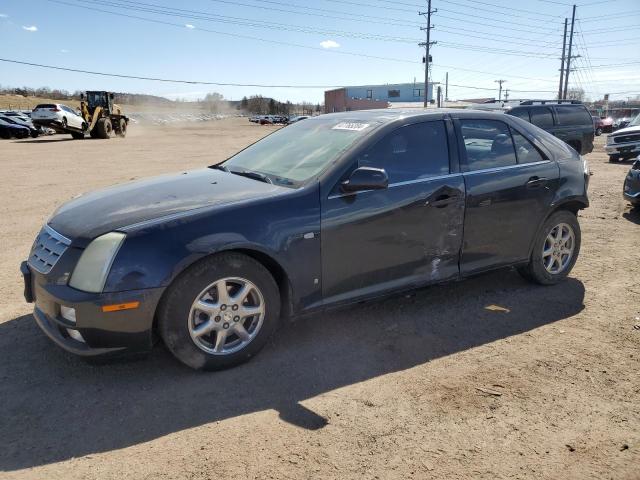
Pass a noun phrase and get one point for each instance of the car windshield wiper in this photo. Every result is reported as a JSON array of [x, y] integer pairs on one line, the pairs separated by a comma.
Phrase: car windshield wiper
[[254, 175], [220, 167]]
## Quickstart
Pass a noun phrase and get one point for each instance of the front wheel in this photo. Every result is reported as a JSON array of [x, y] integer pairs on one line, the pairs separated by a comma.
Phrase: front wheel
[[219, 312], [614, 158], [598, 132], [555, 250]]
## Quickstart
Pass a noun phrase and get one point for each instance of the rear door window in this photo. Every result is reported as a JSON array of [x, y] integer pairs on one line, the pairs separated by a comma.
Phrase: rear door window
[[411, 152], [488, 144], [542, 117], [573, 115]]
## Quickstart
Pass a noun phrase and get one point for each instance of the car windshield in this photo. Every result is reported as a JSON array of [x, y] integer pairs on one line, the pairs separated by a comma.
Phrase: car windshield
[[635, 122], [299, 152]]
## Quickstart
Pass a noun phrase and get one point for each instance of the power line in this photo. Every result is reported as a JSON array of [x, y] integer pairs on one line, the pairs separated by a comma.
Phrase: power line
[[237, 35], [206, 82]]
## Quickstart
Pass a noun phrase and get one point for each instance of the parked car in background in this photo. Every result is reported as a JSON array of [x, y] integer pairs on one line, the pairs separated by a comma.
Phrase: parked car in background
[[58, 116], [297, 118], [330, 211], [631, 191], [12, 130], [621, 123], [18, 120], [607, 124], [598, 125], [568, 120], [624, 143]]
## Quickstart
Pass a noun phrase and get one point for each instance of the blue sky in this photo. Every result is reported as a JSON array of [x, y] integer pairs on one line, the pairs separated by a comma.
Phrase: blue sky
[[320, 42]]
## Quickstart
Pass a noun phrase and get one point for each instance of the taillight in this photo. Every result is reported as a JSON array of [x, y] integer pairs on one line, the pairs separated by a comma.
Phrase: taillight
[[56, 109]]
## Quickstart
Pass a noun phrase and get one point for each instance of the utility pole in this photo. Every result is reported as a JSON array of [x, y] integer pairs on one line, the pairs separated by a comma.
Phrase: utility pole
[[564, 46], [446, 88], [566, 76], [500, 88], [427, 45], [506, 95]]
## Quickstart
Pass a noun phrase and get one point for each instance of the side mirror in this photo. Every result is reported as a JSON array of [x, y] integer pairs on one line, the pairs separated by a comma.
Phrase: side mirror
[[366, 178]]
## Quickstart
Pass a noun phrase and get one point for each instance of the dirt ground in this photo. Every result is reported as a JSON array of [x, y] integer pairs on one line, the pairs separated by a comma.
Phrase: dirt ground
[[448, 389]]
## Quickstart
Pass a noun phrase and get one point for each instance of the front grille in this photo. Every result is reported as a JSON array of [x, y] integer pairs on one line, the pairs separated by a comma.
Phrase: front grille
[[47, 249], [634, 137]]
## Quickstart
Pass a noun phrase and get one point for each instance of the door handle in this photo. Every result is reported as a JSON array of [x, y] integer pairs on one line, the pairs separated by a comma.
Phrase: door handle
[[441, 201], [535, 182]]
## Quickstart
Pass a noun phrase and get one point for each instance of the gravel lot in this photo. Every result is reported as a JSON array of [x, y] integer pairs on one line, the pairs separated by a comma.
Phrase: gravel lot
[[428, 385]]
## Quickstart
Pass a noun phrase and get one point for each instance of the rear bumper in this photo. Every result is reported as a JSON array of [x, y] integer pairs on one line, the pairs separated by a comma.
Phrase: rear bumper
[[101, 333]]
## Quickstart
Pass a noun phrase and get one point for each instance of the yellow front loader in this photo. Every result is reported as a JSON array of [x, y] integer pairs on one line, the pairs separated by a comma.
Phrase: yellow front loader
[[102, 117]]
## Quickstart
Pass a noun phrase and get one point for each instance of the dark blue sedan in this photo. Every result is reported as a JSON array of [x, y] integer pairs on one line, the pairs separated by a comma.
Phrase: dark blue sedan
[[10, 129], [334, 210]]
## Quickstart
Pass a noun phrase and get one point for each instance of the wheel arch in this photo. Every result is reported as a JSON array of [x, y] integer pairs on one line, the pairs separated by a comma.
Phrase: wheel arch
[[272, 265], [573, 205]]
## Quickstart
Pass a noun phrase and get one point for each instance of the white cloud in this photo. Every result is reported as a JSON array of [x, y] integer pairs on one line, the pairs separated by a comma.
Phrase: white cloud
[[189, 26], [64, 51], [3, 15], [32, 28], [329, 44]]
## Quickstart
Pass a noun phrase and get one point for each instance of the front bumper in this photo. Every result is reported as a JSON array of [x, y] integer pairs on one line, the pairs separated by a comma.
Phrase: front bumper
[[632, 148], [102, 333]]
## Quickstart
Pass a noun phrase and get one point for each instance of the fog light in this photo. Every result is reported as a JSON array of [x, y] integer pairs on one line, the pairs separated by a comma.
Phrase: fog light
[[68, 313], [75, 334]]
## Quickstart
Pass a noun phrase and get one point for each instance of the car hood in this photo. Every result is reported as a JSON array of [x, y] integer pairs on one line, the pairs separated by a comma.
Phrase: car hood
[[102, 211], [622, 131]]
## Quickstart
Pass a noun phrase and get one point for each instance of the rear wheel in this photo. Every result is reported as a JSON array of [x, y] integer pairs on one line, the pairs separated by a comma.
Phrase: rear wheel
[[614, 158], [219, 312], [77, 135], [34, 133], [555, 251], [103, 128], [598, 131], [64, 122]]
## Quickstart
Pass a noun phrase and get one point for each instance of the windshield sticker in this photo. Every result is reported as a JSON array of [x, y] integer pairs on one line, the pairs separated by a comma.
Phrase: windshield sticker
[[354, 127]]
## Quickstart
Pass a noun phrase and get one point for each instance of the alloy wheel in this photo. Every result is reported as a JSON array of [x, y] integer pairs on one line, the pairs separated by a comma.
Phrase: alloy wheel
[[226, 316], [558, 248]]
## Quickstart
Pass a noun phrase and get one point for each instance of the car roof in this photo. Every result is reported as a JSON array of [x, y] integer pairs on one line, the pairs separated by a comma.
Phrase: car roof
[[392, 114]]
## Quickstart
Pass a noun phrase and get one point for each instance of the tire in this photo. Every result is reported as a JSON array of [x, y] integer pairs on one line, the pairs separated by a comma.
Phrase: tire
[[5, 134], [64, 122], [34, 133], [179, 318], [103, 128], [536, 271], [122, 128], [77, 135], [614, 158], [598, 131]]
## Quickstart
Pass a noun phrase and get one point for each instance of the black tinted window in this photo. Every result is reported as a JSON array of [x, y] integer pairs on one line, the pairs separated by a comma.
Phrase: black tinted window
[[542, 117], [571, 115], [525, 150], [488, 144], [411, 152], [45, 105], [522, 113]]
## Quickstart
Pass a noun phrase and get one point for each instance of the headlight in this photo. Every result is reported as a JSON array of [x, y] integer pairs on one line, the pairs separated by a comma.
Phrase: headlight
[[609, 139], [95, 262]]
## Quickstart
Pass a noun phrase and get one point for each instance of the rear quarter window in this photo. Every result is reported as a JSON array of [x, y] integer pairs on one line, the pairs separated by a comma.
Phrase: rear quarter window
[[573, 115], [542, 117]]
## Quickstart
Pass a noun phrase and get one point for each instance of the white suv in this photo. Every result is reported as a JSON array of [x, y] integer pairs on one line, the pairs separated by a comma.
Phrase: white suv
[[56, 115], [624, 143]]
